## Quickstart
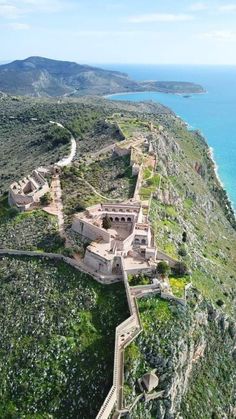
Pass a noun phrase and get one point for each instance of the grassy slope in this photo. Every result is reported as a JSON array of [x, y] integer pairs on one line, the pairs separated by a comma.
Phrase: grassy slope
[[57, 329], [110, 176], [33, 230]]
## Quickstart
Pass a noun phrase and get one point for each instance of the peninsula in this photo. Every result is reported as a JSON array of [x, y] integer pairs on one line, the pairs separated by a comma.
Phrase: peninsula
[[43, 77]]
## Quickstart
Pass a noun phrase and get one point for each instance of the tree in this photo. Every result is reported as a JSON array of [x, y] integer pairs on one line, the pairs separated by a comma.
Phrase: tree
[[46, 199], [163, 268], [182, 251], [180, 268], [184, 237], [106, 222]]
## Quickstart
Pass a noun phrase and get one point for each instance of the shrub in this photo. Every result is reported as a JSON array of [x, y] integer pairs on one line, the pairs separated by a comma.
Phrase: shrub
[[163, 268], [46, 199], [182, 251], [184, 237], [180, 268], [106, 222]]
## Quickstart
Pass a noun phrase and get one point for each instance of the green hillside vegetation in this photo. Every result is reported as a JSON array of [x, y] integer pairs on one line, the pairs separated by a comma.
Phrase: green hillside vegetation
[[57, 339], [33, 230], [110, 176], [166, 329]]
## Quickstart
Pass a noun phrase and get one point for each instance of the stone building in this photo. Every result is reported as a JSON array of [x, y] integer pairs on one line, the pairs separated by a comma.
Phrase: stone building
[[26, 193], [129, 236]]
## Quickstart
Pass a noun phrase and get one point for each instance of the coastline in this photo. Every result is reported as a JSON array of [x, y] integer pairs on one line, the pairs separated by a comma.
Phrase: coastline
[[216, 167], [109, 96], [189, 126]]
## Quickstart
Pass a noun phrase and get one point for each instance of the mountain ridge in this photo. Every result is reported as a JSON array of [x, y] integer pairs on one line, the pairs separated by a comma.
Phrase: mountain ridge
[[43, 77]]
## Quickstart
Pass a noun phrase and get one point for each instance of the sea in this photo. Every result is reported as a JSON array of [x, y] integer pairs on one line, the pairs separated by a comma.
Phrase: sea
[[212, 113]]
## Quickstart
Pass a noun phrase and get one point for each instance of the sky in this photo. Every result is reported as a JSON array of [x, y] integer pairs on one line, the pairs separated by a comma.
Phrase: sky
[[120, 31]]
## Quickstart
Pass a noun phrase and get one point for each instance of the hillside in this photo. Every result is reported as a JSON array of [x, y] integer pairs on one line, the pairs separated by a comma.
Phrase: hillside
[[43, 77], [65, 321]]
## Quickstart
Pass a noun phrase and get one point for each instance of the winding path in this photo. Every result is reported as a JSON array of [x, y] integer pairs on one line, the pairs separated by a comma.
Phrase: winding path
[[96, 192]]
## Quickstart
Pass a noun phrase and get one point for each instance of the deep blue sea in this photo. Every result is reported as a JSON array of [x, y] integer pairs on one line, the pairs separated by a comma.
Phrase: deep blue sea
[[213, 113]]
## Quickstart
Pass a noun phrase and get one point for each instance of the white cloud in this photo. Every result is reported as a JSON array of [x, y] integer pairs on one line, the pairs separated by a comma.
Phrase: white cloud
[[160, 17], [198, 7], [13, 9], [8, 10], [228, 8], [18, 26], [219, 35]]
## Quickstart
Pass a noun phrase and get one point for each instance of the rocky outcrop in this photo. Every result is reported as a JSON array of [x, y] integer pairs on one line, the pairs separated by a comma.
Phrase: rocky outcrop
[[201, 336]]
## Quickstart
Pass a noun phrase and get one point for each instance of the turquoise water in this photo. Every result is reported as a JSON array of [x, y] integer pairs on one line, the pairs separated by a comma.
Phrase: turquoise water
[[213, 113]]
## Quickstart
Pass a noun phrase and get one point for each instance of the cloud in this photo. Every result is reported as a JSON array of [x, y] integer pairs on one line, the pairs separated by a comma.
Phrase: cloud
[[160, 17], [227, 8], [14, 9], [219, 35], [18, 26], [9, 10], [198, 7]]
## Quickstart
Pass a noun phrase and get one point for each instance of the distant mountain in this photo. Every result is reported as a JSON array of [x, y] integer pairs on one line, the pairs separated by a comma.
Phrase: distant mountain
[[37, 76]]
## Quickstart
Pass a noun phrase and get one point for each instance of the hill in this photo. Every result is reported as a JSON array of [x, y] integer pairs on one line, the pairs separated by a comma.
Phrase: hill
[[65, 322], [43, 77]]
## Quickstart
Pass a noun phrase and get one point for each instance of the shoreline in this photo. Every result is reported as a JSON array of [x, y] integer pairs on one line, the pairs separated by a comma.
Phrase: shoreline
[[108, 96], [216, 167]]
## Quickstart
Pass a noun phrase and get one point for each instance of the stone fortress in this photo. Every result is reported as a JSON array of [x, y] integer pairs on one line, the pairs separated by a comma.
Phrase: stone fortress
[[129, 237], [26, 193]]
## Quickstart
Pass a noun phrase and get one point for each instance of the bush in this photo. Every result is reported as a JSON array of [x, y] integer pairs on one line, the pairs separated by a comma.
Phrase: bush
[[106, 222], [46, 199], [68, 251], [182, 251], [163, 268], [184, 237], [180, 268]]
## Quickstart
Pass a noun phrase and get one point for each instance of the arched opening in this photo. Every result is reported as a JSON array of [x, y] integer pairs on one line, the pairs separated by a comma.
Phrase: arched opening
[[123, 219], [117, 219], [143, 241], [136, 241], [129, 219], [111, 218]]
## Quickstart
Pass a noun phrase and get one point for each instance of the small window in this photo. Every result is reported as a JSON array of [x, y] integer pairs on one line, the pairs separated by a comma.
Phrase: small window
[[143, 241], [117, 219], [129, 220], [123, 219]]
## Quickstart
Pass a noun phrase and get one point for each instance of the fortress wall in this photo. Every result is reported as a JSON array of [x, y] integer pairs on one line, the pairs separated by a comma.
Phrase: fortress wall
[[138, 183], [97, 263], [90, 231], [15, 199]]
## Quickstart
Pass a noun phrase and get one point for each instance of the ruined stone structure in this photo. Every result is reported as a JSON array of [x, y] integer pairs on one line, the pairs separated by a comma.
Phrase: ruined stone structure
[[129, 237], [26, 193]]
